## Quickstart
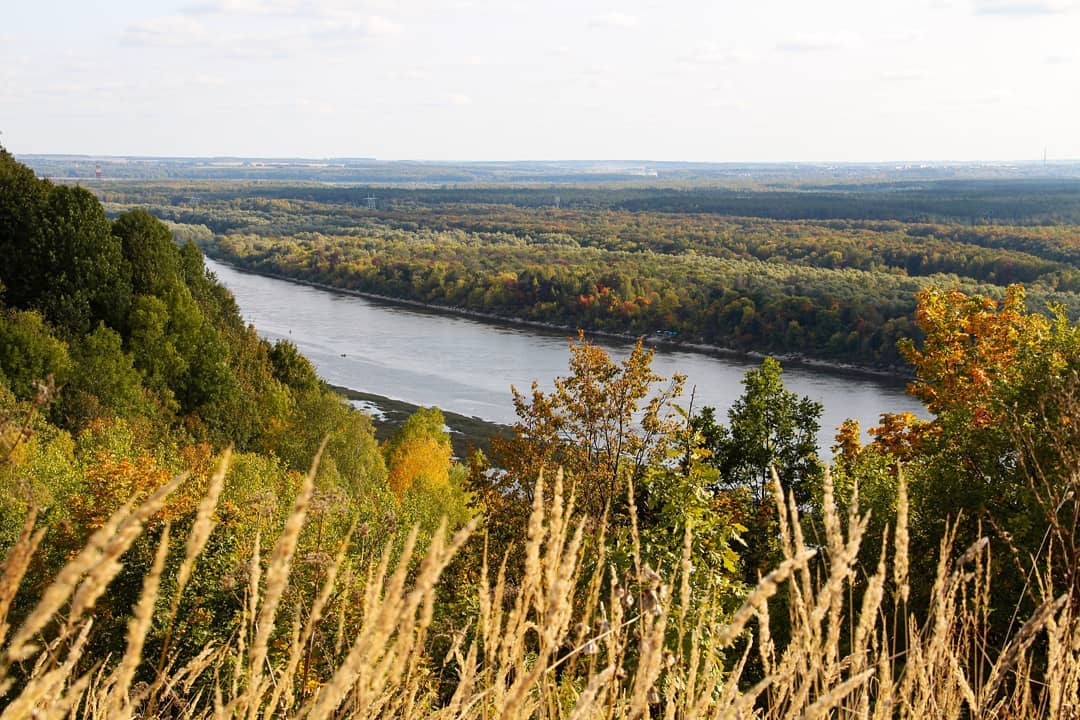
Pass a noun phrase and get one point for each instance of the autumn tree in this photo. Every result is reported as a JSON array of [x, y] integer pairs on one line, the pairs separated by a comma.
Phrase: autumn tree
[[1000, 455], [419, 450], [615, 431], [603, 424], [967, 369], [973, 345]]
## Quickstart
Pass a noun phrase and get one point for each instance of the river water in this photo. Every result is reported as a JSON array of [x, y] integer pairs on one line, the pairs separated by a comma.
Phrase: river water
[[467, 366]]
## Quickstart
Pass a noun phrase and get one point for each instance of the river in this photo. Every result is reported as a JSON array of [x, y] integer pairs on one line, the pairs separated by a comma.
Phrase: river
[[467, 366]]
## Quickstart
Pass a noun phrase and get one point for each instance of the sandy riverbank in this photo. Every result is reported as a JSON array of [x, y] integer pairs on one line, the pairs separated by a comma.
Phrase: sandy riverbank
[[389, 414]]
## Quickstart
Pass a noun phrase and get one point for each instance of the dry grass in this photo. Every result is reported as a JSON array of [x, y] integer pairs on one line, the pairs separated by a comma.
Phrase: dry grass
[[557, 642]]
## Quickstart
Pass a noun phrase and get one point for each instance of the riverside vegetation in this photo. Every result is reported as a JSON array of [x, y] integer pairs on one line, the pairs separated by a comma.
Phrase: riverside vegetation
[[830, 273], [171, 551]]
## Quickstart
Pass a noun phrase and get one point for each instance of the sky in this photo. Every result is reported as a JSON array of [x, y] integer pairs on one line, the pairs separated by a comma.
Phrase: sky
[[713, 80]]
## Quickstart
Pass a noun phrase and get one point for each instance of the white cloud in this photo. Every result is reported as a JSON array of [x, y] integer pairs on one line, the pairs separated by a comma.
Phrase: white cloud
[[316, 106], [449, 100], [378, 25], [904, 37], [815, 43], [711, 54], [251, 7], [324, 17], [614, 20], [168, 31], [902, 75], [997, 96], [1024, 7], [274, 39], [363, 25], [255, 51], [726, 104], [412, 74], [206, 80]]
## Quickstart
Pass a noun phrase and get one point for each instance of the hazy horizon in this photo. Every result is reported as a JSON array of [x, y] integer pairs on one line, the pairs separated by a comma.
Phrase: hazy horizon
[[552, 161]]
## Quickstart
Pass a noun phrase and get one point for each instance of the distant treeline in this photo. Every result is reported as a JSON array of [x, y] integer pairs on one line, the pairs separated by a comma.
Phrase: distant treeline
[[964, 202]]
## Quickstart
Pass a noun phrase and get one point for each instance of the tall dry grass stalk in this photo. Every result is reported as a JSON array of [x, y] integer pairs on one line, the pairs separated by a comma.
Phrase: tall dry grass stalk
[[568, 638]]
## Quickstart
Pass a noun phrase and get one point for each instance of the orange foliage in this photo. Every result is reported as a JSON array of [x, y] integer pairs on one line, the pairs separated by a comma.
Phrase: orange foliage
[[972, 345], [901, 434], [848, 443], [113, 480]]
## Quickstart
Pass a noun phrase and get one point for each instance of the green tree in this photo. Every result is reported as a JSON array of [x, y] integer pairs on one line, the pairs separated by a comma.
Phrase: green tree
[[83, 276], [22, 207], [352, 456], [155, 353], [291, 368], [104, 381], [769, 427], [30, 352], [149, 249]]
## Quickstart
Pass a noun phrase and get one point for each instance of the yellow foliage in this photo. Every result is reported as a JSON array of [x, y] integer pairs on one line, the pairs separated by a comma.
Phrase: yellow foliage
[[418, 457]]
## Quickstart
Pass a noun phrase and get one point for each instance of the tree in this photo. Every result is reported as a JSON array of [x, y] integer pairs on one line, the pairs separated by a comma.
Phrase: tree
[[768, 427], [154, 350], [419, 451], [22, 206], [422, 475], [352, 458], [604, 424], [149, 249], [30, 353], [999, 457], [972, 346], [82, 276], [104, 381], [291, 368]]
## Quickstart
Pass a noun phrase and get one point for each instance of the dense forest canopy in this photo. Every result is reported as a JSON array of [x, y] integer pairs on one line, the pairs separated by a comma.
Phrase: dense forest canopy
[[824, 272]]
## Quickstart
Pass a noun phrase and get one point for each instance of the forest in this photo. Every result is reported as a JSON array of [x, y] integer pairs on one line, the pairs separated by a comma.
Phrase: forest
[[195, 525], [820, 273]]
